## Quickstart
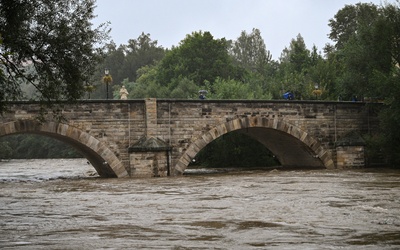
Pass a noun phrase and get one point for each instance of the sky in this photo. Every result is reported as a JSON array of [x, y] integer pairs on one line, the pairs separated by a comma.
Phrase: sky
[[169, 21]]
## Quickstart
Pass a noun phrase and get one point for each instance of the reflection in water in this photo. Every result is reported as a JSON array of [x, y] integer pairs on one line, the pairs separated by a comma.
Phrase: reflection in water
[[57, 204]]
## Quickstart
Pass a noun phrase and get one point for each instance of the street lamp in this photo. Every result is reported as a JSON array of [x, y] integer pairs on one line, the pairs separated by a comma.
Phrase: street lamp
[[107, 79]]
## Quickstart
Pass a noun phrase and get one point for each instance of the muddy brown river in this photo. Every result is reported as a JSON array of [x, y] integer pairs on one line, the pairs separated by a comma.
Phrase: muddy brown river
[[61, 204]]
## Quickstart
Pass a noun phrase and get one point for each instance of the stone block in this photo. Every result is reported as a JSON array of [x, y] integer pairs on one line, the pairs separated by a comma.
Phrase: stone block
[[350, 156]]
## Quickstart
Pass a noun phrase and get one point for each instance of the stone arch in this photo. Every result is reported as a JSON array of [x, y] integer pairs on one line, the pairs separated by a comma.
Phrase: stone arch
[[302, 140], [98, 154]]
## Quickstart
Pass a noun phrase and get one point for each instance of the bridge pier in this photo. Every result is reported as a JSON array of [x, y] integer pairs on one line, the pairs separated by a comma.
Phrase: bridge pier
[[150, 156], [350, 151]]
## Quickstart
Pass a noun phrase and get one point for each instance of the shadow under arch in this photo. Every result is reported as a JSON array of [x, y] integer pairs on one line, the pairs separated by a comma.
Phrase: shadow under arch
[[292, 146], [99, 155]]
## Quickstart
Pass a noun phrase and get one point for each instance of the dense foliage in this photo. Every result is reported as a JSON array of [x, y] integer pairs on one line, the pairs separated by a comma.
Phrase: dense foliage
[[49, 45], [362, 63], [28, 146]]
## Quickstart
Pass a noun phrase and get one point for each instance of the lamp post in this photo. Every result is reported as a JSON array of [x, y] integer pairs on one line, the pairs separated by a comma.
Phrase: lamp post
[[107, 79]]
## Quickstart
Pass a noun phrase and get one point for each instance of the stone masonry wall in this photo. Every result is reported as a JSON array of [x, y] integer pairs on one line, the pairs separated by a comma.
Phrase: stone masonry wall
[[350, 156], [325, 121], [149, 164], [121, 123], [117, 124]]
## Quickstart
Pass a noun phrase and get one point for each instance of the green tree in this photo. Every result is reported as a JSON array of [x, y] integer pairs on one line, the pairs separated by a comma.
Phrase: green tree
[[297, 55], [140, 52], [295, 62], [147, 84], [388, 83], [114, 58], [365, 52], [390, 121], [125, 60], [183, 88], [231, 89], [200, 58], [320, 77], [5, 150], [30, 146], [346, 22], [249, 51], [179, 82], [366, 59], [234, 89], [57, 39]]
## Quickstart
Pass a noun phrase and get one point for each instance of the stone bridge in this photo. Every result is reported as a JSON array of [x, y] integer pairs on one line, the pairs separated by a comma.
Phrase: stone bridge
[[146, 138]]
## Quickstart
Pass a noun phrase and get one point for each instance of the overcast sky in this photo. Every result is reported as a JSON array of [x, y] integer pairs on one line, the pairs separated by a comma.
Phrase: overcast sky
[[169, 21]]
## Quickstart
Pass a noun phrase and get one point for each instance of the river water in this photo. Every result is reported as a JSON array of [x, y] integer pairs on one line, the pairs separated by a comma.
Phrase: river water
[[62, 204]]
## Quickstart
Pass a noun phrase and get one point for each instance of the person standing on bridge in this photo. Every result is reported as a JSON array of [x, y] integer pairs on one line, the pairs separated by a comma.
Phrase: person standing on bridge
[[202, 94], [123, 93]]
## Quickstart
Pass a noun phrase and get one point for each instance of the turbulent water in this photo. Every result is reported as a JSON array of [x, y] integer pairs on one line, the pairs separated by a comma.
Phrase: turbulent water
[[61, 204]]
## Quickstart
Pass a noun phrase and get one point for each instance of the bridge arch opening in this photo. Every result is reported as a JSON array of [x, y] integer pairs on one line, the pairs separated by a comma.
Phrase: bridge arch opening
[[101, 158], [293, 147], [234, 151]]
